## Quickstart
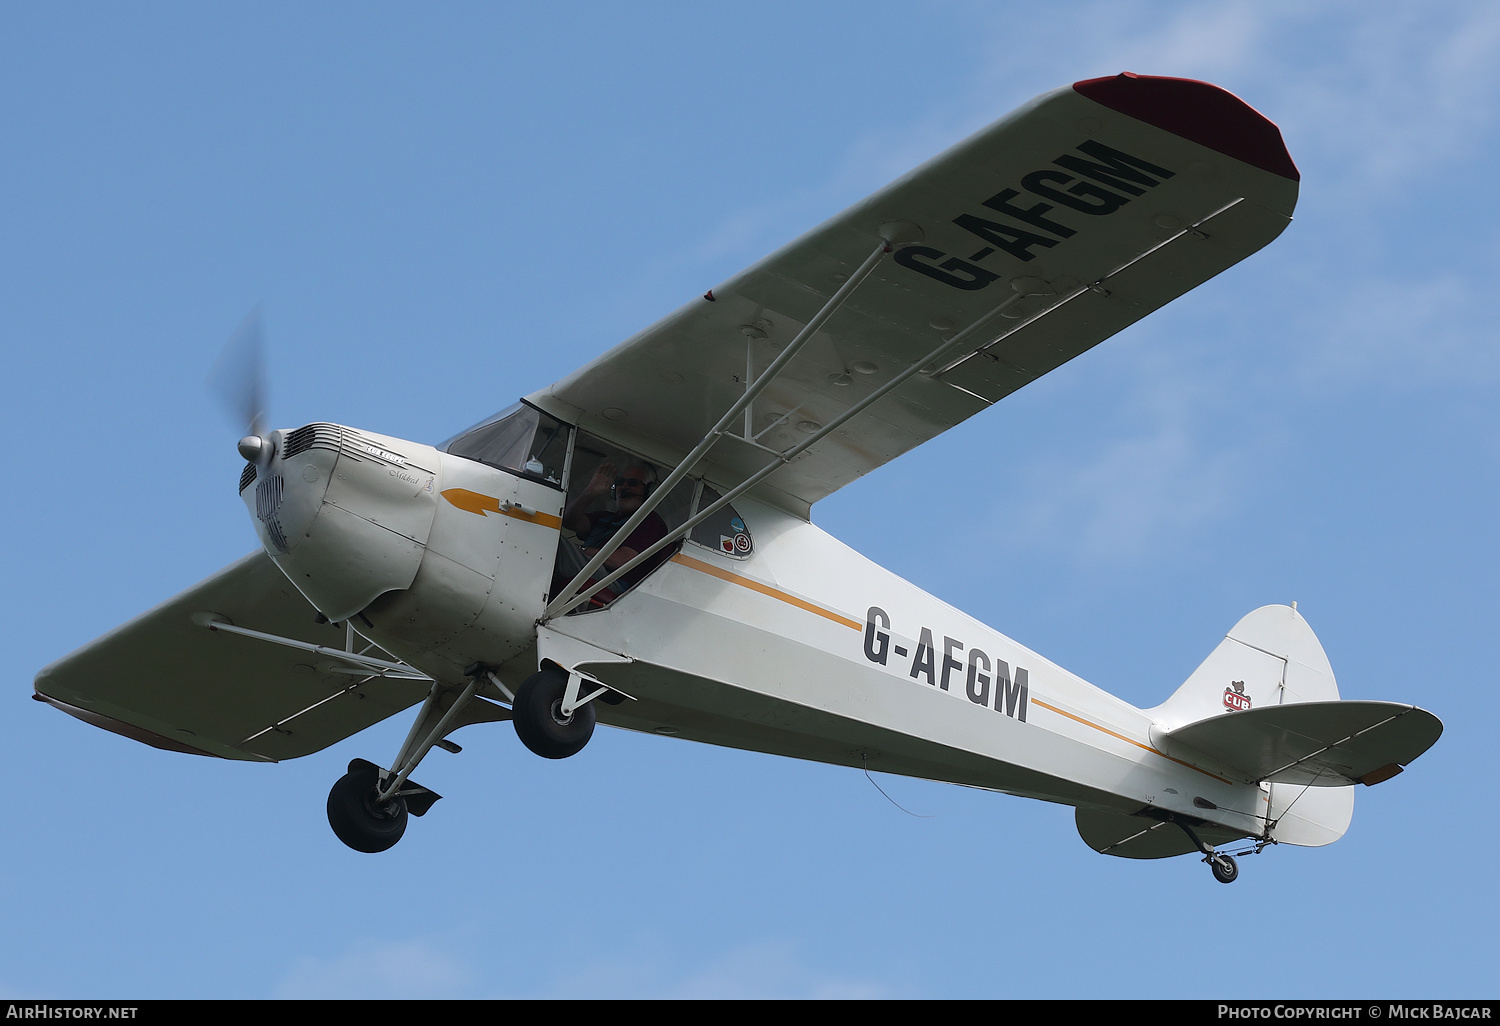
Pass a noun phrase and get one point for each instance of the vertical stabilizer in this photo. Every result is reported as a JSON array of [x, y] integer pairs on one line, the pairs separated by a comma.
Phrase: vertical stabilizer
[[1271, 657]]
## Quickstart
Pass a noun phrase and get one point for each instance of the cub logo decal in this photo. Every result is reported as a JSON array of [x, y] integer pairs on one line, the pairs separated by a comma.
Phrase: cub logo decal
[[1235, 699]]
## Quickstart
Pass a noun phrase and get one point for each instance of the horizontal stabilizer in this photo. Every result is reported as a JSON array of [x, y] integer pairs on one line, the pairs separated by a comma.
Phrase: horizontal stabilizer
[[1326, 744]]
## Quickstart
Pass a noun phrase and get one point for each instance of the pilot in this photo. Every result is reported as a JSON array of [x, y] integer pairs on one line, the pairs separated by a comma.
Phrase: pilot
[[595, 527]]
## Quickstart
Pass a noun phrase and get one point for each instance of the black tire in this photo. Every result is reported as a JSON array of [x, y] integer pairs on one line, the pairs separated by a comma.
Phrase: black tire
[[1226, 870], [538, 717], [355, 817]]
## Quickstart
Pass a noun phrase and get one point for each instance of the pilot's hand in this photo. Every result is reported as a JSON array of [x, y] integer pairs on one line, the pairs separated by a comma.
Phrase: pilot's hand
[[603, 479]]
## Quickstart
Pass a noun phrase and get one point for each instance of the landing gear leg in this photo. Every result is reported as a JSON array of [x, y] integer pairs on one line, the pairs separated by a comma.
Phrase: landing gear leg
[[1225, 869], [368, 806]]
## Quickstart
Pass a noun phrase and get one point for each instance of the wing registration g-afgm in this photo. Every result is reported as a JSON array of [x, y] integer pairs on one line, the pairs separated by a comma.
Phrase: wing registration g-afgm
[[632, 545]]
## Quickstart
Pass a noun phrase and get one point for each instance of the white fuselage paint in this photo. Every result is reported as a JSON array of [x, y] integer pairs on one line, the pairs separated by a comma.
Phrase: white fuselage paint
[[450, 562]]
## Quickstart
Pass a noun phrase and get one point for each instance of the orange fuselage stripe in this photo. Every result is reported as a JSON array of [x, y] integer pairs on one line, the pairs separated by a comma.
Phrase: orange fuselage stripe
[[544, 519], [764, 589], [484, 505], [1127, 740]]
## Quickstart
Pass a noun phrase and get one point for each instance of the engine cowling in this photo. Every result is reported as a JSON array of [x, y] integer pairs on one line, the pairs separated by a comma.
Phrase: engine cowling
[[344, 513]]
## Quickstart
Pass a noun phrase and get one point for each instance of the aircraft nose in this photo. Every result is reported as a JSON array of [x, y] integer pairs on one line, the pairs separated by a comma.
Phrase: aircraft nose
[[344, 513], [283, 488]]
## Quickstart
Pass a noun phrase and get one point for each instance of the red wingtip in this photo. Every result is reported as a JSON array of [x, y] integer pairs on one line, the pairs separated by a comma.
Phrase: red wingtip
[[1199, 112]]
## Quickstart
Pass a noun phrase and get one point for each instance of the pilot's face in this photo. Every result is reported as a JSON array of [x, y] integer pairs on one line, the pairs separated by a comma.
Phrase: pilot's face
[[630, 488]]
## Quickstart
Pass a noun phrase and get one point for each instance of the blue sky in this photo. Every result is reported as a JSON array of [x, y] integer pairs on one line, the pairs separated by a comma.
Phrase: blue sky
[[443, 208]]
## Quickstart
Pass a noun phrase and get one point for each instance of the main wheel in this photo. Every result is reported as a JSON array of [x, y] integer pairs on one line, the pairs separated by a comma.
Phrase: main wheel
[[540, 724], [356, 817], [1226, 870]]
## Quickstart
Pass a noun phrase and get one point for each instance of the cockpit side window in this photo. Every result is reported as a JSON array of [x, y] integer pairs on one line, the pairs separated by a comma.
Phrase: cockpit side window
[[606, 485], [522, 439], [724, 531]]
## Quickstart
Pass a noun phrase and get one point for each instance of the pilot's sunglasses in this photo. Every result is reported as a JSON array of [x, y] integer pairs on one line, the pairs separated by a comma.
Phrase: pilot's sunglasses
[[630, 481]]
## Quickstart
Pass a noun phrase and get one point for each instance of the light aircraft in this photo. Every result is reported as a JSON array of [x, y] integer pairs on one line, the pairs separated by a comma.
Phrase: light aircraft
[[632, 545]]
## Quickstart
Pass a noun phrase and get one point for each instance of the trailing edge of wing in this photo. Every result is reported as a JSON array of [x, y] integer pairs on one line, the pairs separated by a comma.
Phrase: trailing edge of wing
[[1026, 244]]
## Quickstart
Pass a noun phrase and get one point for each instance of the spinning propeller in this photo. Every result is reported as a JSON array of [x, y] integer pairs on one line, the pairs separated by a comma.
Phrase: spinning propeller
[[240, 379]]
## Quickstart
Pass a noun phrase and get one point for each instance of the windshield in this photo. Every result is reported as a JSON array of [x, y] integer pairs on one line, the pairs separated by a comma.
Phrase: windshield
[[522, 439]]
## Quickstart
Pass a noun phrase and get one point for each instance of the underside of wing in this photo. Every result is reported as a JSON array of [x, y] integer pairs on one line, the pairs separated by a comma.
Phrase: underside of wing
[[1325, 744], [1008, 255], [167, 680], [1145, 836]]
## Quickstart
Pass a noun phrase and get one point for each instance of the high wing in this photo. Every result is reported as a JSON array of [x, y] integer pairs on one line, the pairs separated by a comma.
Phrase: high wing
[[164, 679], [1010, 254]]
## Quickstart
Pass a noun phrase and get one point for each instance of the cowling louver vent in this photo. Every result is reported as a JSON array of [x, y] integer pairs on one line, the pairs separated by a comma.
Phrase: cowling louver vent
[[267, 504], [312, 436], [247, 476]]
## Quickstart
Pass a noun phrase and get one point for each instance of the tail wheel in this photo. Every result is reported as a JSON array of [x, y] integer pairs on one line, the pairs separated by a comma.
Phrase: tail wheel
[[359, 820], [1226, 870], [540, 724]]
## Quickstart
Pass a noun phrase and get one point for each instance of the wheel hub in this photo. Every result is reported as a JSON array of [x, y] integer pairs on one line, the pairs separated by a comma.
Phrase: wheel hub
[[377, 808]]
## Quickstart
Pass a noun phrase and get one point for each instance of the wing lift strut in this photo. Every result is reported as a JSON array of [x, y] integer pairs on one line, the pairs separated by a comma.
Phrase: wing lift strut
[[947, 355]]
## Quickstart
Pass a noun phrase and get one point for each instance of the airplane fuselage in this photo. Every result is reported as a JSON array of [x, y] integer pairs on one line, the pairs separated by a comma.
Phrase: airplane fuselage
[[805, 648]]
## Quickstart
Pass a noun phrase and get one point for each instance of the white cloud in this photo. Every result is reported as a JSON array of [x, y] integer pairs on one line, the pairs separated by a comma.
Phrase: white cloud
[[1411, 86], [1380, 90], [770, 970], [1178, 439], [410, 969], [1396, 89], [1402, 334], [1138, 491]]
